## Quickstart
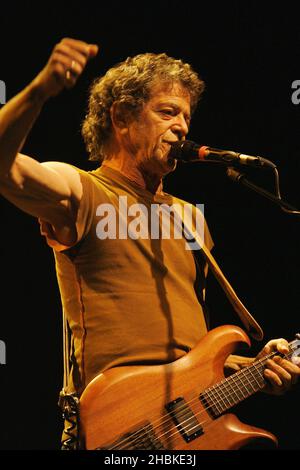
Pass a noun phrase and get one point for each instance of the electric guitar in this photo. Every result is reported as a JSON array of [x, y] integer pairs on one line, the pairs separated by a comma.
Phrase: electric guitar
[[177, 406]]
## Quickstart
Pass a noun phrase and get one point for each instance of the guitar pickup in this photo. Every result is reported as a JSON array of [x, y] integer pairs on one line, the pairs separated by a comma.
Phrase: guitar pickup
[[184, 418]]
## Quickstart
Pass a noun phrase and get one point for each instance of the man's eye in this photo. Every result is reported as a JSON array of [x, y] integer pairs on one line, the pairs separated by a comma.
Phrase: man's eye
[[170, 112]]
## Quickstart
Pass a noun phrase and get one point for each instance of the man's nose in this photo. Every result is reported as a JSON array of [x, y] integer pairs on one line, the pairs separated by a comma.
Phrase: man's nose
[[180, 127]]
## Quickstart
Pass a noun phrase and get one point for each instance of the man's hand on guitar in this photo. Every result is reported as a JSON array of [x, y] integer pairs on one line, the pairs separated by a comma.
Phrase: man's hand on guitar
[[281, 374]]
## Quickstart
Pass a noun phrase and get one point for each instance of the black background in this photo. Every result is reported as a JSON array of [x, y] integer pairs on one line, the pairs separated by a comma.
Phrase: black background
[[248, 55]]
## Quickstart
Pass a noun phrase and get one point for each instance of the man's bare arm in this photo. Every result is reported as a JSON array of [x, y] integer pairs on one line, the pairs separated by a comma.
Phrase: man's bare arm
[[43, 190]]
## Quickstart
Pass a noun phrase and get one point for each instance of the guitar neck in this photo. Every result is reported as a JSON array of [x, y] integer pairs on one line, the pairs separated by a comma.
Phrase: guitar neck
[[239, 386]]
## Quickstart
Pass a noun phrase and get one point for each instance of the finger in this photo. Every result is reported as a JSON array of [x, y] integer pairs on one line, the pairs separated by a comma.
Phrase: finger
[[291, 368], [284, 376], [93, 50], [68, 72], [283, 346], [71, 54], [273, 378], [88, 50], [74, 66], [279, 344]]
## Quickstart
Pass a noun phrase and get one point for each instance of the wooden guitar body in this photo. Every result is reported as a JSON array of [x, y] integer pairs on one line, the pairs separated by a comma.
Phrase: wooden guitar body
[[163, 407]]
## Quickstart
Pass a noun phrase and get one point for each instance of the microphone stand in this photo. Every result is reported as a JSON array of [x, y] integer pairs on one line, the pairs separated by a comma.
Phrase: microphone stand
[[240, 178]]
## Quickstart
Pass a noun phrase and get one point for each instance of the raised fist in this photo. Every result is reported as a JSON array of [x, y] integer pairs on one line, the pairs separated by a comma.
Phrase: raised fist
[[65, 65]]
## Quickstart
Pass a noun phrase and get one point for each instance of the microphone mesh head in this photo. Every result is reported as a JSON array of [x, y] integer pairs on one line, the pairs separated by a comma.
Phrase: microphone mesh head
[[185, 150]]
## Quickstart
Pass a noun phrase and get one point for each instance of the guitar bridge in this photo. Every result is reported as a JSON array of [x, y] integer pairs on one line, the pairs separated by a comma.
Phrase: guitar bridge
[[141, 438], [184, 418]]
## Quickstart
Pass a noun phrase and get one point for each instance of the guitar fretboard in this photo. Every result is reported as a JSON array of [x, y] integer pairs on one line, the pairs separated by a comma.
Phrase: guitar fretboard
[[239, 386]]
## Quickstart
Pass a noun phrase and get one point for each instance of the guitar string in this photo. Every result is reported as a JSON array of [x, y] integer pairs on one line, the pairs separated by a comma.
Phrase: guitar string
[[243, 372], [177, 435], [201, 424], [174, 433], [170, 421], [214, 403]]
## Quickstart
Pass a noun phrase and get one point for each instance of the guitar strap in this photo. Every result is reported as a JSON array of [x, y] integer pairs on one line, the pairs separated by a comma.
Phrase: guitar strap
[[253, 328], [246, 318]]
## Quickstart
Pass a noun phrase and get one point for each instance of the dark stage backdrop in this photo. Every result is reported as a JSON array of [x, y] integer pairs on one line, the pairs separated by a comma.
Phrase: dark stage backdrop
[[248, 55]]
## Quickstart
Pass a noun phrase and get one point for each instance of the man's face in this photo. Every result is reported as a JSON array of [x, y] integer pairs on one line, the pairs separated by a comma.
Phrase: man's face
[[165, 118]]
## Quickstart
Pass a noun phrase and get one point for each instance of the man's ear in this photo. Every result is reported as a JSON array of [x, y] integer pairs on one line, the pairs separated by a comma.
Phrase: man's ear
[[120, 117]]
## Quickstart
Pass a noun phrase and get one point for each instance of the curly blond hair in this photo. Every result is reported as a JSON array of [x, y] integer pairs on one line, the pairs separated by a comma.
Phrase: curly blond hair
[[129, 83]]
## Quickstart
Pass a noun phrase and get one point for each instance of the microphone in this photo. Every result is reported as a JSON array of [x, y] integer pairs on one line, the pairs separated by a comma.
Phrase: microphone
[[189, 151]]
